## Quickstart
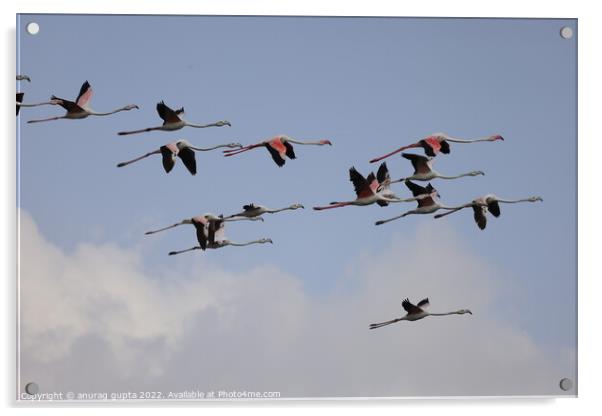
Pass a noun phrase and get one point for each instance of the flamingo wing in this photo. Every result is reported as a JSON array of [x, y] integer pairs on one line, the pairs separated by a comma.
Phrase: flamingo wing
[[277, 150], [167, 114], [494, 207], [201, 233], [214, 228], [444, 147], [383, 173], [188, 158], [420, 163], [70, 106], [84, 96], [418, 190], [410, 308], [249, 207], [480, 215], [168, 160], [431, 145], [424, 303], [19, 100], [290, 152], [361, 185]]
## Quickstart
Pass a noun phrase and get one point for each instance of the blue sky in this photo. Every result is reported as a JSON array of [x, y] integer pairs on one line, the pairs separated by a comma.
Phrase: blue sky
[[369, 85]]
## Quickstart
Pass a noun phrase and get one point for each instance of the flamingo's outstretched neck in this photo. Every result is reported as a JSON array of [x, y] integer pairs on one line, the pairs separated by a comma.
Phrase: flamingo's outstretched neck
[[474, 173], [333, 205], [481, 139], [458, 312], [125, 108], [122, 164], [220, 123], [260, 241], [207, 149], [310, 142], [514, 201], [401, 149]]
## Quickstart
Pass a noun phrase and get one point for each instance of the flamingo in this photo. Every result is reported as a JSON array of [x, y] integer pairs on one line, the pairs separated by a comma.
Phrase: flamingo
[[254, 210], [279, 147], [416, 312], [488, 203], [79, 108], [172, 120], [211, 235], [181, 149], [23, 78], [423, 169], [370, 190], [436, 143], [426, 205], [203, 220]]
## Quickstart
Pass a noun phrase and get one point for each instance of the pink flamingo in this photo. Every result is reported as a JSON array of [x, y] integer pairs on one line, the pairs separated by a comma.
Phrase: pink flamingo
[[370, 190], [423, 169], [279, 147], [416, 312], [426, 205], [211, 235], [79, 108], [172, 120], [488, 203], [181, 149], [436, 143]]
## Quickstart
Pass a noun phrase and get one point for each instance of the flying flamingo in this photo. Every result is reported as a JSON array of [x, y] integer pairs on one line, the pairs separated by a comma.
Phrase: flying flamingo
[[488, 203], [79, 108], [423, 169], [279, 147], [426, 205], [181, 149], [416, 312], [23, 78], [203, 220], [370, 190], [172, 120], [436, 143], [212, 236], [253, 210]]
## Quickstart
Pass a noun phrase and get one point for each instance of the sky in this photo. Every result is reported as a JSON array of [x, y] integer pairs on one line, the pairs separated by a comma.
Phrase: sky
[[96, 292]]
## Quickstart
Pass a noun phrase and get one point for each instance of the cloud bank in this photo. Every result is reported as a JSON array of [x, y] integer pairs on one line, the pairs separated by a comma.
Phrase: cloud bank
[[95, 320]]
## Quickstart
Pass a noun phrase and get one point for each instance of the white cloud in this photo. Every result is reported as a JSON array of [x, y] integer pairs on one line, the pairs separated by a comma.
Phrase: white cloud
[[96, 320]]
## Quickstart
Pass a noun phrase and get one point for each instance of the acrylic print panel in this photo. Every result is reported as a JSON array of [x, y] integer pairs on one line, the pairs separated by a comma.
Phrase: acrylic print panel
[[282, 306]]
